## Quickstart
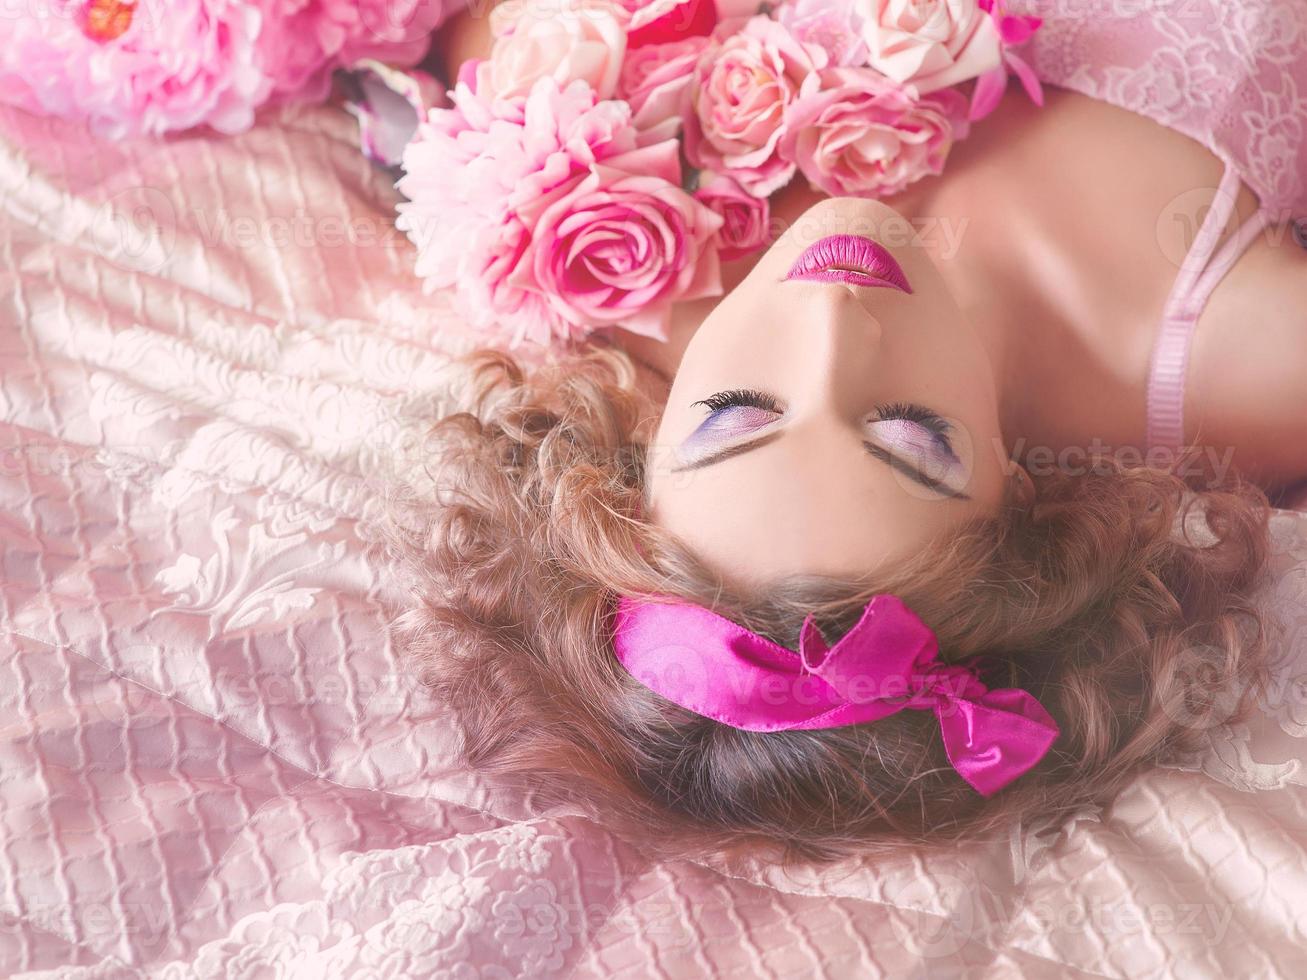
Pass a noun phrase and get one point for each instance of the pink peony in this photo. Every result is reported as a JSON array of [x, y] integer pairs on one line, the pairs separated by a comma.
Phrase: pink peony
[[156, 66], [303, 41], [854, 132], [743, 83], [746, 220], [655, 80], [471, 170], [144, 68], [576, 39], [620, 244], [930, 43], [495, 154]]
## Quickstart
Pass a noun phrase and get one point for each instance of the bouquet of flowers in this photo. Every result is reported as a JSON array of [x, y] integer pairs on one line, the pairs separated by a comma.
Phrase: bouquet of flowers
[[131, 67], [608, 155]]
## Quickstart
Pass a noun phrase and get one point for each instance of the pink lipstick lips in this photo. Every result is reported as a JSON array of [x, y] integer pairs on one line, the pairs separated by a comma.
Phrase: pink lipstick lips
[[849, 259]]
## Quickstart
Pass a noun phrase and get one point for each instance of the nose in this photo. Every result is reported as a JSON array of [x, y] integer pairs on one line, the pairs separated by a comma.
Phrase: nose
[[843, 353]]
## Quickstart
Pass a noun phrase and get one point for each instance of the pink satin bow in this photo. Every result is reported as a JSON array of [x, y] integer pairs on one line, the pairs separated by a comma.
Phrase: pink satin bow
[[888, 662]]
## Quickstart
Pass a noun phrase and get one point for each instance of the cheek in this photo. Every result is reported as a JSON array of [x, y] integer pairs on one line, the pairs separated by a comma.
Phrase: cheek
[[943, 351], [729, 335]]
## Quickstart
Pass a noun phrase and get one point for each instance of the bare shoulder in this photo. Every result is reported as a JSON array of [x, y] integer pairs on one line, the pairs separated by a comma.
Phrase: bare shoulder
[[1248, 372]]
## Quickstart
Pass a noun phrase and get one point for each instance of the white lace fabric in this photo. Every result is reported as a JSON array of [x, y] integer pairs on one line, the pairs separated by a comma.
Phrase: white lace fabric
[[211, 763]]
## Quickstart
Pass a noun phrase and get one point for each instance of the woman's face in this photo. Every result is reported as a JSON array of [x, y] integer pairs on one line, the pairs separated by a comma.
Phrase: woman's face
[[822, 424]]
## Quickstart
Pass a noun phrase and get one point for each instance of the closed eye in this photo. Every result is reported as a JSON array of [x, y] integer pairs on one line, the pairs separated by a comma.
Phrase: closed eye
[[738, 411]]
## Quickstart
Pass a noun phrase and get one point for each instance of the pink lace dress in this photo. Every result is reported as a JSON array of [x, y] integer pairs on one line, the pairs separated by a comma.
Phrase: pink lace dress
[[1230, 75]]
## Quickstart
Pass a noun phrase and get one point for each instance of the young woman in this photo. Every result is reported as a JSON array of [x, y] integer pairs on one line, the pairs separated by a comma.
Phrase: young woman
[[976, 397]]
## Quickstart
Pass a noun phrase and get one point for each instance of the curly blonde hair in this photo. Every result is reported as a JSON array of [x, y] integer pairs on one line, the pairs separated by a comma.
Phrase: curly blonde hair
[[1094, 598]]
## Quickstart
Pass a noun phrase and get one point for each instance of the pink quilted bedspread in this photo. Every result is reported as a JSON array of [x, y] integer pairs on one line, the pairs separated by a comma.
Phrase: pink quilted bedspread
[[211, 764]]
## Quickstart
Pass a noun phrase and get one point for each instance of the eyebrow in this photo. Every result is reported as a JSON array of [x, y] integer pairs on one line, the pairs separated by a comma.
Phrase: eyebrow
[[877, 452]]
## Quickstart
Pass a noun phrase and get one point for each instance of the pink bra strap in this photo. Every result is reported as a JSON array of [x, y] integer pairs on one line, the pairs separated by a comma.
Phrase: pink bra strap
[[1204, 266]]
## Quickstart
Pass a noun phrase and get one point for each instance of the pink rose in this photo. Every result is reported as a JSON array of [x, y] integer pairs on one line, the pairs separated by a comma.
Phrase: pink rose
[[743, 83], [930, 43], [620, 244], [577, 39], [746, 220], [831, 24], [853, 132], [654, 81]]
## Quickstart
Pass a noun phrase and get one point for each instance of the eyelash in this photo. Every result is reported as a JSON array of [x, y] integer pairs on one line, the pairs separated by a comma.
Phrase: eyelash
[[909, 412], [924, 417], [738, 397]]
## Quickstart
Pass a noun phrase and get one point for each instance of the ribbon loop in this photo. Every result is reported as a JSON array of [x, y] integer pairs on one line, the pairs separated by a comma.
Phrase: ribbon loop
[[886, 645]]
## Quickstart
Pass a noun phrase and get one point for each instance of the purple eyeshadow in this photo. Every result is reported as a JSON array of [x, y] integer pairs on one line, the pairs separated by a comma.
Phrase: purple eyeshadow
[[722, 426], [917, 444], [905, 438]]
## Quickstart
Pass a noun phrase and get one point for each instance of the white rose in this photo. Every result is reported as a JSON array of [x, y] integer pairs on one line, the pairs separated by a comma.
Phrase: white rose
[[560, 39], [929, 43]]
